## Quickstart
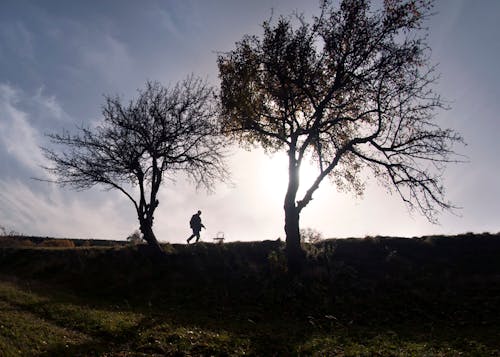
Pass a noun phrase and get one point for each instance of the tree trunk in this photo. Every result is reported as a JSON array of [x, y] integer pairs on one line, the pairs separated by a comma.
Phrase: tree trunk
[[150, 238], [294, 252]]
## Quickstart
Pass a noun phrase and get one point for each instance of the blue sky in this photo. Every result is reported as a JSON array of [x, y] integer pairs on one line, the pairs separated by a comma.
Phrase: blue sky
[[58, 58]]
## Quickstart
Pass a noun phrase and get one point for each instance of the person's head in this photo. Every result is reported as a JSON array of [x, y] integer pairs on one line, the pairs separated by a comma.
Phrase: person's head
[[199, 213]]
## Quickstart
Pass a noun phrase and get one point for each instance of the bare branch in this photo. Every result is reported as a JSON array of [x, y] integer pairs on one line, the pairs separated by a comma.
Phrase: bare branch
[[165, 130], [353, 90]]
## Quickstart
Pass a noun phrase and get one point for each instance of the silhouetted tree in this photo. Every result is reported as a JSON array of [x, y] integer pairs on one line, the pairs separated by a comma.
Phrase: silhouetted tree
[[163, 132], [351, 90]]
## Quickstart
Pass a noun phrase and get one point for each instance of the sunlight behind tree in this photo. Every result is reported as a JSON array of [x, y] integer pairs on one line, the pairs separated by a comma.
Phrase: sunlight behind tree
[[353, 89]]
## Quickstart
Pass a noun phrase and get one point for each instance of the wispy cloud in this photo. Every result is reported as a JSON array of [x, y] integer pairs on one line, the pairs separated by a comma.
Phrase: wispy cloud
[[177, 18], [49, 104], [15, 39], [55, 212], [109, 57], [18, 137]]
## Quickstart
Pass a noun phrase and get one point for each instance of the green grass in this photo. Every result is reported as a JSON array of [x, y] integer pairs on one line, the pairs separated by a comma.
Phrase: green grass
[[369, 297], [54, 324]]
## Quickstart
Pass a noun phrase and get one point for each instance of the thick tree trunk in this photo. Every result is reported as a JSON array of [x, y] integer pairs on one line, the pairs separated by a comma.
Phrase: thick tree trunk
[[150, 238], [294, 252]]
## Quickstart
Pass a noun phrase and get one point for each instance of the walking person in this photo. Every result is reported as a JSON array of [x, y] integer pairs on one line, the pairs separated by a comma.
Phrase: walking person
[[196, 226]]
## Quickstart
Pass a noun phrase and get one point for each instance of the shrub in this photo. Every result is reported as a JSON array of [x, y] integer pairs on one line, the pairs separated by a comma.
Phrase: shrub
[[135, 237], [14, 241], [59, 243], [310, 235]]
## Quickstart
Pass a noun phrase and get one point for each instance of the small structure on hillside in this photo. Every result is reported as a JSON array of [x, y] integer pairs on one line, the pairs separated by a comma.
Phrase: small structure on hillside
[[219, 238]]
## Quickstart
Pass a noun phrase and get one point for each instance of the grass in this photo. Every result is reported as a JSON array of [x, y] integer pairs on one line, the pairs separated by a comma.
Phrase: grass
[[378, 296], [55, 325]]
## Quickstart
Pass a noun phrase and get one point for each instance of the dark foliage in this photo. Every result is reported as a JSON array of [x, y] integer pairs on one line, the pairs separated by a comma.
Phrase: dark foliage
[[352, 91]]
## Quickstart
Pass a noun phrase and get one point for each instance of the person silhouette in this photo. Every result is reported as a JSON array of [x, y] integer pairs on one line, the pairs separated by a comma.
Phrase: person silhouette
[[196, 226]]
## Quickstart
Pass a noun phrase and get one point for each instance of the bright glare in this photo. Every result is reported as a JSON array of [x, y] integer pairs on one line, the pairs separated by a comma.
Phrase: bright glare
[[274, 171], [261, 183]]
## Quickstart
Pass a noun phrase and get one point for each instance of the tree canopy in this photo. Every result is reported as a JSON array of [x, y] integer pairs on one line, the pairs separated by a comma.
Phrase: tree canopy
[[353, 91]]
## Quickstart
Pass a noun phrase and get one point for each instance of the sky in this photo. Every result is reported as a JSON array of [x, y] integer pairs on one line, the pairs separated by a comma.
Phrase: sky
[[59, 58]]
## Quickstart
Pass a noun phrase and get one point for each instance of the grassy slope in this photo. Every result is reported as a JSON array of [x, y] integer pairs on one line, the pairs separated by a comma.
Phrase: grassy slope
[[374, 296]]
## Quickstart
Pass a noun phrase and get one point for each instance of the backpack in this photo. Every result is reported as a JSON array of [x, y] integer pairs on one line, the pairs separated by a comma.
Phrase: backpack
[[192, 221]]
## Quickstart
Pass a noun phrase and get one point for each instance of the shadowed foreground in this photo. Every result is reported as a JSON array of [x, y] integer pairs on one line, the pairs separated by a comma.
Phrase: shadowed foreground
[[372, 296]]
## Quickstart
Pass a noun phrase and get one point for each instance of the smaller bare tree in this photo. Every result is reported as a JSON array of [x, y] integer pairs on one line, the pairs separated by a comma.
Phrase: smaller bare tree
[[163, 132]]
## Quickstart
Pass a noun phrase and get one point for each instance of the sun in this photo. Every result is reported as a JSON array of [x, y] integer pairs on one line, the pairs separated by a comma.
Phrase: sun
[[308, 174], [274, 175]]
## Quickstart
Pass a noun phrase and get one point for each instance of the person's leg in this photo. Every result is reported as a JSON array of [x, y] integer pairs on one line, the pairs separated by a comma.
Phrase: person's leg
[[189, 239], [197, 236]]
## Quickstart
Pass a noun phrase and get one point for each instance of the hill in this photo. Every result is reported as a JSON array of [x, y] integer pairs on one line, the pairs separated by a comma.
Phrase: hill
[[377, 295]]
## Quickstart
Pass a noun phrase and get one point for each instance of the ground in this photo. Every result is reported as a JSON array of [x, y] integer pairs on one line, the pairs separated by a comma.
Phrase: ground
[[375, 296]]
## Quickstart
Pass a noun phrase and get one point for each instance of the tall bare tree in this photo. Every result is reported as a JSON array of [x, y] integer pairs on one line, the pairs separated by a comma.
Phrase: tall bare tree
[[353, 91], [137, 145]]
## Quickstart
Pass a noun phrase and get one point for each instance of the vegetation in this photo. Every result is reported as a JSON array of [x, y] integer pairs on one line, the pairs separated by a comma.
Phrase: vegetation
[[353, 92], [383, 296], [4, 232], [164, 131], [135, 238], [310, 235]]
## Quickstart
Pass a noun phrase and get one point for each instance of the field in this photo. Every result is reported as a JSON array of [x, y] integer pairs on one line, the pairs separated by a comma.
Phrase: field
[[429, 296]]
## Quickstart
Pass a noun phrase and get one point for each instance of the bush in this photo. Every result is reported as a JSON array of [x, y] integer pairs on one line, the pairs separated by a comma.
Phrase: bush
[[310, 235], [59, 243], [135, 238], [8, 241]]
